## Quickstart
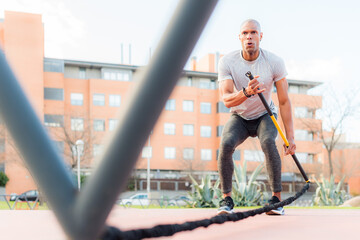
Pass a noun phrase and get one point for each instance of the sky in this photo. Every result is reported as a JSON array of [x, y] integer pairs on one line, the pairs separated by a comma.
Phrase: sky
[[316, 39]]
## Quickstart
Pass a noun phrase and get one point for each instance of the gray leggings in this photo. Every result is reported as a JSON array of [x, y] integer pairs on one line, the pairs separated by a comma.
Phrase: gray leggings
[[235, 132]]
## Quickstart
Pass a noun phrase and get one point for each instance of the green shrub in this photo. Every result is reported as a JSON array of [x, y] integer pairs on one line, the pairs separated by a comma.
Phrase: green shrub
[[247, 192], [328, 193], [205, 195], [244, 192], [3, 179]]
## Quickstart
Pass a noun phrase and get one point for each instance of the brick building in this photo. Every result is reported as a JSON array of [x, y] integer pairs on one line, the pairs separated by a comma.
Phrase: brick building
[[81, 100]]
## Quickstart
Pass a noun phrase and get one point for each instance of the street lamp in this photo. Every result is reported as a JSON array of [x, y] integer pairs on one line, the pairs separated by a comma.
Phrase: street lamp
[[79, 149]]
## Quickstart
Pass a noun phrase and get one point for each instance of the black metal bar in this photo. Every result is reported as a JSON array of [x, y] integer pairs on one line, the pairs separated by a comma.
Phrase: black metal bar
[[35, 145], [139, 116]]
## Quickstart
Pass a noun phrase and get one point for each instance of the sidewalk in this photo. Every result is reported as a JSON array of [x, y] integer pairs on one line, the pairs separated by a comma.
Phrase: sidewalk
[[295, 225]]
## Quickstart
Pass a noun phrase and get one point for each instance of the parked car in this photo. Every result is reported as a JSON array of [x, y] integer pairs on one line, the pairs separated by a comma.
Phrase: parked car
[[179, 201], [139, 199], [31, 195]]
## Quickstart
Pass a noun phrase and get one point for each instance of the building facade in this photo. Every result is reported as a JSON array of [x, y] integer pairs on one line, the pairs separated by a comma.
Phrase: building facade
[[82, 100]]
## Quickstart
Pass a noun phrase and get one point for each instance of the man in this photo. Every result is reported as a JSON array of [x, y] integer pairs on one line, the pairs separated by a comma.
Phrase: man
[[250, 117]]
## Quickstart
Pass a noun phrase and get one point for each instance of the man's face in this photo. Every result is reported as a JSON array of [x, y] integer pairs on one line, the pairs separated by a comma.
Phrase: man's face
[[250, 37]]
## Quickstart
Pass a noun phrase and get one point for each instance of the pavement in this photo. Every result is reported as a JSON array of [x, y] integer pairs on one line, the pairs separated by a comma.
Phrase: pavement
[[295, 224]]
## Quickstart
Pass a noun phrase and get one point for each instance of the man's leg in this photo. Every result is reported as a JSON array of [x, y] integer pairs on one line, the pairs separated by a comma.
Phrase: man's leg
[[234, 133], [267, 133]]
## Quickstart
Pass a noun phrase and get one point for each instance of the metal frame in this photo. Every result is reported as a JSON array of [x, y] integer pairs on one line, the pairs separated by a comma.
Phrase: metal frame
[[79, 213]]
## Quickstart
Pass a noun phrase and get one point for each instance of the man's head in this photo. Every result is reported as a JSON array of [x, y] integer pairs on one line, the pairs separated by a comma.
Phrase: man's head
[[250, 37]]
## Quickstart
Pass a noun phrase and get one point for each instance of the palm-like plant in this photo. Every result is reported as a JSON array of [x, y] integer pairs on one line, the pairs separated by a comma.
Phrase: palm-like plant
[[205, 194], [328, 193], [247, 193]]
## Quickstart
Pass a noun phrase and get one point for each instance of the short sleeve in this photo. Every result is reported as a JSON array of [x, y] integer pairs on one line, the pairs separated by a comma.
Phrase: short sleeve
[[279, 69], [223, 71]]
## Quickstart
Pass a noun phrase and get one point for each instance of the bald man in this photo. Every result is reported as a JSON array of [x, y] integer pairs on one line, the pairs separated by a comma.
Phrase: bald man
[[249, 117]]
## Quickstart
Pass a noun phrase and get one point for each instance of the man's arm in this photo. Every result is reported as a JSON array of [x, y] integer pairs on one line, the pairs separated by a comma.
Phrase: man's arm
[[286, 114], [232, 98]]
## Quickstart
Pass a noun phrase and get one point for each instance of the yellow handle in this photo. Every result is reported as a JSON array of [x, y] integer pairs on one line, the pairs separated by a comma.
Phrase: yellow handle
[[280, 131]]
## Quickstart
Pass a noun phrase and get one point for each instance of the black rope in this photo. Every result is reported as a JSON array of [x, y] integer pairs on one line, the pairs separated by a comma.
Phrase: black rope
[[113, 233]]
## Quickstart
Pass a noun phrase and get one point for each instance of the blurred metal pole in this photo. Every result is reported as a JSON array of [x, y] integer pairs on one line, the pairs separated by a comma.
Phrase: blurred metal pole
[[140, 115], [148, 169], [36, 147]]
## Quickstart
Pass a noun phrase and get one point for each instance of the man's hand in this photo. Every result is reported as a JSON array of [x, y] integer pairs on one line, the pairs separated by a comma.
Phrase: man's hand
[[291, 149], [254, 87]]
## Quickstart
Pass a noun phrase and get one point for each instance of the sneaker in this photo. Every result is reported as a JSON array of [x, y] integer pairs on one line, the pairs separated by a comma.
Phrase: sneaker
[[226, 206], [279, 210]]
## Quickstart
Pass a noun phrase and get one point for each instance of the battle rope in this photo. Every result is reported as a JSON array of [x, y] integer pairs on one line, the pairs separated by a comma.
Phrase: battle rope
[[113, 233]]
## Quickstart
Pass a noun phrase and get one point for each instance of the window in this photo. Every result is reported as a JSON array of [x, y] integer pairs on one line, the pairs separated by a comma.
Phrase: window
[[170, 153], [221, 108], [77, 124], [188, 106], [189, 82], [293, 89], [2, 145], [97, 149], [82, 73], [305, 157], [53, 65], [254, 155], [2, 167], [303, 112], [236, 155], [99, 125], [116, 74], [169, 128], [112, 124], [170, 105], [219, 130], [204, 84], [188, 153], [303, 135], [114, 100], [205, 131], [205, 107], [76, 99], [54, 94], [146, 152], [212, 84], [206, 154], [188, 130], [53, 120], [98, 99]]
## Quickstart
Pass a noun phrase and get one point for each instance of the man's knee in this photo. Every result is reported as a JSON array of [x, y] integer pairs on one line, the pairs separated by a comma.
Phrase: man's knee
[[227, 145], [267, 142]]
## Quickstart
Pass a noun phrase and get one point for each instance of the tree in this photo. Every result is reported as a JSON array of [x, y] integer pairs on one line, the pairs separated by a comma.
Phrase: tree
[[334, 111], [75, 127], [3, 179], [188, 163]]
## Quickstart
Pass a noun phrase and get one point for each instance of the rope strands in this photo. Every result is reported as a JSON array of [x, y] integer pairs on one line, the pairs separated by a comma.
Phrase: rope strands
[[113, 233]]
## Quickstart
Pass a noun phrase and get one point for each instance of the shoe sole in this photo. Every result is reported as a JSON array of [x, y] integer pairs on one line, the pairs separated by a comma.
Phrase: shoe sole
[[224, 212], [275, 212]]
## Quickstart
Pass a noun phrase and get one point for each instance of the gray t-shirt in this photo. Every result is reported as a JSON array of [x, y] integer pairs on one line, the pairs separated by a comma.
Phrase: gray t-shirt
[[270, 69]]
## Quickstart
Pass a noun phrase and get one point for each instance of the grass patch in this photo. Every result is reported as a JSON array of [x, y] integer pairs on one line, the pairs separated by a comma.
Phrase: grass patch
[[22, 206]]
